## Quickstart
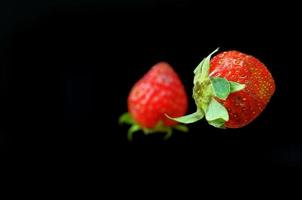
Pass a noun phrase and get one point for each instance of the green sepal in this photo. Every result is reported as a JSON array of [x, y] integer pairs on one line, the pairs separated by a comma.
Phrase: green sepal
[[126, 118], [181, 128], [168, 134], [206, 65], [159, 127], [221, 87], [218, 123], [235, 87], [202, 70], [188, 119], [168, 130], [134, 128], [216, 114], [199, 66]]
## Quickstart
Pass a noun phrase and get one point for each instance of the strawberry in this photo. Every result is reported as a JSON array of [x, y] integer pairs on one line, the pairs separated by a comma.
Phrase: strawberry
[[158, 92], [231, 90]]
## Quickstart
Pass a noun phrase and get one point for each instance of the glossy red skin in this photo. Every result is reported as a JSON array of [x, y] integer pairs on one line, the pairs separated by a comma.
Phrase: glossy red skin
[[158, 92], [243, 106]]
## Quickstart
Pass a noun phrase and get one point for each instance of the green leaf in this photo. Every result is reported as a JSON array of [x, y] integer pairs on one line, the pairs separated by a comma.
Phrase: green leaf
[[134, 128], [221, 87], [126, 118], [235, 87], [218, 123], [188, 119], [181, 127], [216, 111]]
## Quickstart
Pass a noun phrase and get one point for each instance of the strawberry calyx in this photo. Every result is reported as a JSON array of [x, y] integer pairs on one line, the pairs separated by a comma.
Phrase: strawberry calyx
[[126, 118], [206, 91]]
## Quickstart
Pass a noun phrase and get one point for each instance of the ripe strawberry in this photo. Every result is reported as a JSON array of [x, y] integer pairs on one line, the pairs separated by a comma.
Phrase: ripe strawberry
[[244, 106], [158, 92], [231, 90]]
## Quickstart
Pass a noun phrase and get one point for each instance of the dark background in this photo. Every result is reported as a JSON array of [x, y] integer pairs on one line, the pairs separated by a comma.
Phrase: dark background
[[67, 68]]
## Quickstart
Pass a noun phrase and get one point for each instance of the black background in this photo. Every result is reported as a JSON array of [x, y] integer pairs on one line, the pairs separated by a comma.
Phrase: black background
[[67, 68]]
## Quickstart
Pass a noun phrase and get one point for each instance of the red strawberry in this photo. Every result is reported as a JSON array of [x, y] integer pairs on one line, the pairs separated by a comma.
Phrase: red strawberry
[[231, 90], [158, 92], [244, 106]]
